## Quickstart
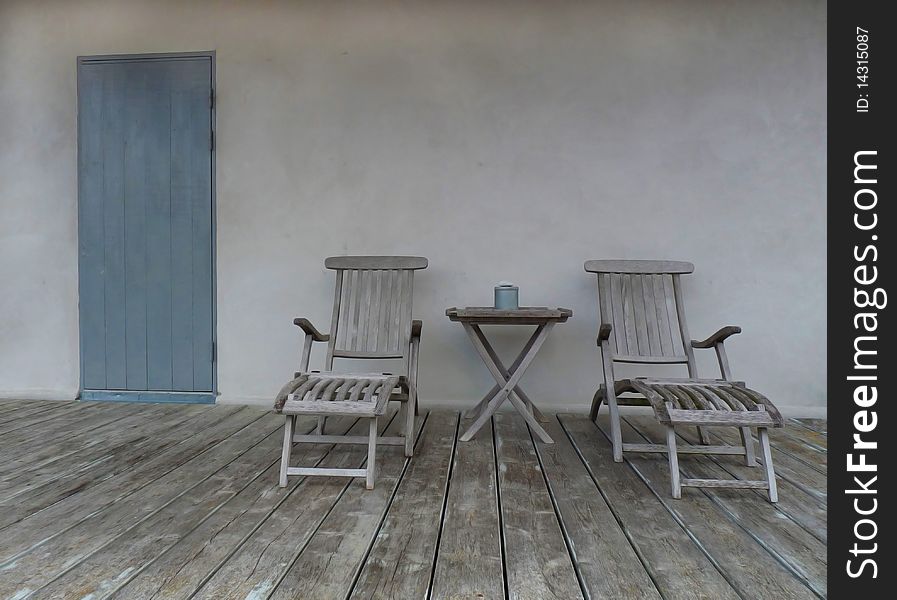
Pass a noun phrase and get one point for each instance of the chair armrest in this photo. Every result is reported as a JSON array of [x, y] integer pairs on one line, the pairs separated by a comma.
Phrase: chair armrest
[[717, 338], [309, 329], [604, 332], [416, 327]]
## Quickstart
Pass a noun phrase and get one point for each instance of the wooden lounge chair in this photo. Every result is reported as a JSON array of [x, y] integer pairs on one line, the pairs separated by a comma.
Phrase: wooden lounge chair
[[643, 322], [371, 320]]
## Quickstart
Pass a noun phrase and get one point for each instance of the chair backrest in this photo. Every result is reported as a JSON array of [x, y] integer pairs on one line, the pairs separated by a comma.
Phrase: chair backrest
[[371, 306], [642, 301]]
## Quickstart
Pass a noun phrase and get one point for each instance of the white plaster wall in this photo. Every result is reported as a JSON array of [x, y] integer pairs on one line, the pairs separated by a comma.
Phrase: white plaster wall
[[503, 140]]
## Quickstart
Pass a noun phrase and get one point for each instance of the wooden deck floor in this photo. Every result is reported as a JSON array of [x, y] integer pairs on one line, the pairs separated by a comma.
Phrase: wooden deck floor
[[156, 501]]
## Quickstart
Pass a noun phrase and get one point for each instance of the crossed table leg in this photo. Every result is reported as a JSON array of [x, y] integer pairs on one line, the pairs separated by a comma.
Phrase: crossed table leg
[[475, 411], [506, 387]]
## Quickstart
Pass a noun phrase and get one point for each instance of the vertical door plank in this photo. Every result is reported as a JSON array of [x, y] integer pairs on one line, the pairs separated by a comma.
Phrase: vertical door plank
[[201, 200], [158, 228], [114, 226], [137, 153], [182, 165], [90, 227]]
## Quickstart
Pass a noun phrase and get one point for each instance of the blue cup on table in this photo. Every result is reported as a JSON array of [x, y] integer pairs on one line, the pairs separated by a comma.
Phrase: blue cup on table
[[507, 296]]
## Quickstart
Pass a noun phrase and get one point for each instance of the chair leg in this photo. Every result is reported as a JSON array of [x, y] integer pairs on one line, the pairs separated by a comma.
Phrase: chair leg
[[750, 458], [320, 428], [410, 412], [596, 405], [403, 408], [288, 427], [674, 462], [766, 455], [616, 435], [372, 454]]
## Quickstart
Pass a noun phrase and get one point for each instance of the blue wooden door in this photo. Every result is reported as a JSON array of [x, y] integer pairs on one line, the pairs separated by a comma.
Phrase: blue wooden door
[[145, 228]]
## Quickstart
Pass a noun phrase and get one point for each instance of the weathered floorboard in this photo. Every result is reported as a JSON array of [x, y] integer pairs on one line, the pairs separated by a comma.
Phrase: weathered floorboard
[[400, 563], [265, 555], [812, 455], [796, 502], [102, 449], [42, 450], [820, 425], [182, 569], [108, 568], [810, 437], [54, 413], [60, 425], [54, 558], [48, 491], [676, 561], [43, 526], [538, 562], [330, 561], [794, 547], [470, 558], [787, 466], [177, 502], [594, 534], [745, 563]]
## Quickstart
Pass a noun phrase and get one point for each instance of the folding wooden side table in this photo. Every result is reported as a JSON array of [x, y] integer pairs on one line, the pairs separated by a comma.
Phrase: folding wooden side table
[[507, 378]]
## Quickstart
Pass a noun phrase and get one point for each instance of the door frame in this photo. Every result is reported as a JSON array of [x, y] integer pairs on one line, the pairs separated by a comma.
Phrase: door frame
[[139, 395]]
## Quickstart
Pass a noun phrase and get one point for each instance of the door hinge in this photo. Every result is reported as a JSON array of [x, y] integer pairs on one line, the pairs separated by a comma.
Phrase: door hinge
[[212, 98], [214, 351], [211, 139]]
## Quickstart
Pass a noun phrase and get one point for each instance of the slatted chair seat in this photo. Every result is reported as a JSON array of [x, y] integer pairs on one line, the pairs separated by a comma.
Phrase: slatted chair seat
[[643, 322], [356, 394], [399, 392], [706, 402]]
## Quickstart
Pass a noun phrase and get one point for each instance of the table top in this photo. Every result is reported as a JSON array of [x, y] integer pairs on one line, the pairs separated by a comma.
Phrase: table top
[[525, 315]]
